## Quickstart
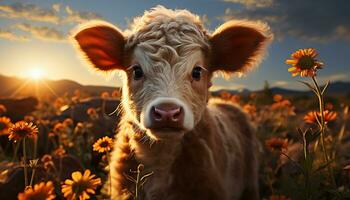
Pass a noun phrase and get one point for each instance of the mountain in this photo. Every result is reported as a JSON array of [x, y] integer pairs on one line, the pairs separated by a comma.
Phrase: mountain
[[335, 88], [14, 87]]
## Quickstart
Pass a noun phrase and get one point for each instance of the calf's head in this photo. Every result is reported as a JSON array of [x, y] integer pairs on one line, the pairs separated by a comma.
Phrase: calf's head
[[168, 59]]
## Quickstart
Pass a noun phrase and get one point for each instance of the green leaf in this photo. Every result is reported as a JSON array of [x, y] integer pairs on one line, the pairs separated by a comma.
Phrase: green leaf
[[147, 175], [130, 178], [309, 86], [325, 87]]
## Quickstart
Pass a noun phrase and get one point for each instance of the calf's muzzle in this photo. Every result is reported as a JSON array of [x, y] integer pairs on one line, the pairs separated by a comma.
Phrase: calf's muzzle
[[167, 115]]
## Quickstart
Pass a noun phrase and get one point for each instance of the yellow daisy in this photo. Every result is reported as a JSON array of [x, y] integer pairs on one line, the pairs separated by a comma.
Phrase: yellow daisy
[[5, 124], [104, 144], [304, 63], [41, 191], [80, 186], [22, 130]]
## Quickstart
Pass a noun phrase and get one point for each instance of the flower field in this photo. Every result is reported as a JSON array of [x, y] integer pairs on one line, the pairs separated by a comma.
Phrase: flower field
[[304, 143]]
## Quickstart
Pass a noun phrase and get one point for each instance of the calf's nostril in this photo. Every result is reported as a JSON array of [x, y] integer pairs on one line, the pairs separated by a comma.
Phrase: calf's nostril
[[176, 114], [157, 114], [167, 115]]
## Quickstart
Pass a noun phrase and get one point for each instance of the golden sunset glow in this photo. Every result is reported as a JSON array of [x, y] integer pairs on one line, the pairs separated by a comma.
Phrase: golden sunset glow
[[36, 73]]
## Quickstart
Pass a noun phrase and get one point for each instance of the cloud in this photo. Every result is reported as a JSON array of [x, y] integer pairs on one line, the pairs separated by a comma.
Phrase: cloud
[[9, 35], [220, 83], [56, 7], [250, 4], [322, 21], [53, 14], [42, 32], [79, 16], [333, 78], [280, 83], [29, 12]]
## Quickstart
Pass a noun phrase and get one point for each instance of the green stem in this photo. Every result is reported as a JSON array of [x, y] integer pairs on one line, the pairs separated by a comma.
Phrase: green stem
[[110, 178], [15, 152], [138, 177], [35, 146], [306, 168], [32, 178], [322, 128], [322, 123], [25, 163]]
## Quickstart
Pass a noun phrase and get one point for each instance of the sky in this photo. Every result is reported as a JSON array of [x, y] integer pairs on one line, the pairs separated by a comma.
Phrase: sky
[[33, 36]]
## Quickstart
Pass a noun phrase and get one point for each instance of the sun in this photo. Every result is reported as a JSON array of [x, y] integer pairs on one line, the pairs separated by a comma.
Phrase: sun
[[36, 73]]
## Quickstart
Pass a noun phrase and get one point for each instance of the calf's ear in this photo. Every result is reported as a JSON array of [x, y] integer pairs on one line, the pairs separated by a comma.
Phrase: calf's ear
[[101, 44], [237, 46]]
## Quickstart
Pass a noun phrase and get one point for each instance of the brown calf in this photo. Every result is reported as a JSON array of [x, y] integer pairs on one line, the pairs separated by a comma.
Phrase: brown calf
[[196, 148]]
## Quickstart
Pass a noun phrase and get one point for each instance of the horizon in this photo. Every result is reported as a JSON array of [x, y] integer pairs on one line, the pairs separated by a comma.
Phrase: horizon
[[33, 37], [211, 89]]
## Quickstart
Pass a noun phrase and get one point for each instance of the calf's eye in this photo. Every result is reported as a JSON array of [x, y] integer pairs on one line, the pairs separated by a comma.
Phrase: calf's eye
[[197, 73], [137, 72]]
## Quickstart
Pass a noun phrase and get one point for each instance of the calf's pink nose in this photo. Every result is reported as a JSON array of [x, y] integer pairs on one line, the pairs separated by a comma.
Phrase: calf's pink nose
[[167, 115]]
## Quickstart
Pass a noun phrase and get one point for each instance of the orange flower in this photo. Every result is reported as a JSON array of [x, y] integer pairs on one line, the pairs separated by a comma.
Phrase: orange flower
[[250, 109], [59, 127], [79, 128], [51, 134], [281, 104], [2, 109], [115, 94], [104, 95], [225, 95], [80, 186], [68, 122], [276, 144], [5, 124], [91, 111], [329, 116], [304, 63], [22, 130], [47, 161], [277, 98], [235, 99], [60, 151], [312, 116], [104, 144], [278, 197], [41, 191], [253, 95]]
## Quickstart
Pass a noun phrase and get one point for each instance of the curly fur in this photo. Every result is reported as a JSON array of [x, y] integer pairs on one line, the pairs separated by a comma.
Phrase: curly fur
[[217, 158]]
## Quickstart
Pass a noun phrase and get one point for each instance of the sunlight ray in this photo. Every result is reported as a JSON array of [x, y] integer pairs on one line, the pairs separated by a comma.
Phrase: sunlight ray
[[48, 87], [19, 88]]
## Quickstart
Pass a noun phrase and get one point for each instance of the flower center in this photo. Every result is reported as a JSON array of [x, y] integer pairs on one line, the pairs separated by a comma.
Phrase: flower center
[[22, 132], [104, 144], [79, 187], [306, 62], [41, 195]]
